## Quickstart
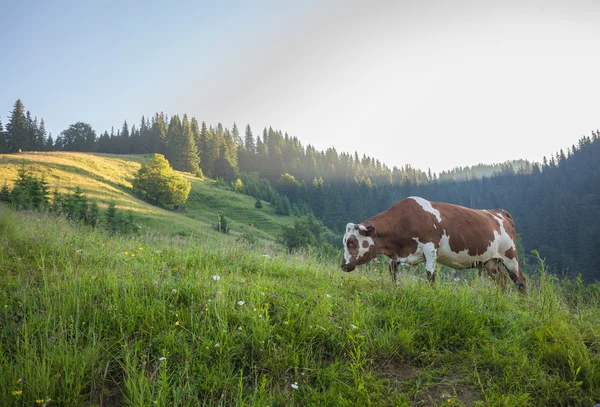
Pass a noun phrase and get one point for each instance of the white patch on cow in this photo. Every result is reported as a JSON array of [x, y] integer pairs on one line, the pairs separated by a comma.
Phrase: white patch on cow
[[426, 205], [496, 250], [426, 252], [430, 253], [351, 230]]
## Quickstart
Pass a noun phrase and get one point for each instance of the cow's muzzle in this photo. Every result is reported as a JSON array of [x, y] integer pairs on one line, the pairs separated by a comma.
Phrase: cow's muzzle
[[347, 267]]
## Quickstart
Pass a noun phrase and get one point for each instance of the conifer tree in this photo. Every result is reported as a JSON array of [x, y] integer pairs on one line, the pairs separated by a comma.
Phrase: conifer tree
[[31, 130], [249, 143], [40, 139], [206, 158], [125, 143], [3, 147], [197, 139], [16, 129], [159, 138], [182, 150]]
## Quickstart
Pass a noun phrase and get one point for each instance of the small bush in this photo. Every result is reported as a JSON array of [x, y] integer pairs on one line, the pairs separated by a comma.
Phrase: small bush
[[158, 183], [248, 237], [222, 223]]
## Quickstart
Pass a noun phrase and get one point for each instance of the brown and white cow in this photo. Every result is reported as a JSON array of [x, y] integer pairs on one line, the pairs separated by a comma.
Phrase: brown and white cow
[[415, 230]]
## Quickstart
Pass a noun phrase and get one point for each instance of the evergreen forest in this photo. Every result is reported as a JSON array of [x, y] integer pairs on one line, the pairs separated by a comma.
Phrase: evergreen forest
[[556, 203]]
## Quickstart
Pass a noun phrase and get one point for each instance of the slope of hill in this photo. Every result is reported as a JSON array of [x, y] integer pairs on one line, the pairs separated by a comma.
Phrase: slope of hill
[[107, 178], [90, 319]]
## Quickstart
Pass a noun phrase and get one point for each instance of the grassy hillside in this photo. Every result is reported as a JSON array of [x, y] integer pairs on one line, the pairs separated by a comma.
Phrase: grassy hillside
[[86, 319], [107, 178]]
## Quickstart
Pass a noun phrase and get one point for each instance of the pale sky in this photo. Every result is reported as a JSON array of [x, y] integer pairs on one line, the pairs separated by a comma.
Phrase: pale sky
[[433, 84]]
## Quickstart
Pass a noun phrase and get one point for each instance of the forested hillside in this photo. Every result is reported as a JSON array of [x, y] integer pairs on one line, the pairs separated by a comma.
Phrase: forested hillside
[[555, 204]]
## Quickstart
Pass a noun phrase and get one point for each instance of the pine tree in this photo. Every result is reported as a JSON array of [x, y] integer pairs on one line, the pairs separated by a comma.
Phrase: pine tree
[[40, 139], [237, 140], [223, 167], [207, 160], [182, 150], [3, 146], [31, 130], [158, 139], [125, 142], [49, 143], [197, 139], [16, 129]]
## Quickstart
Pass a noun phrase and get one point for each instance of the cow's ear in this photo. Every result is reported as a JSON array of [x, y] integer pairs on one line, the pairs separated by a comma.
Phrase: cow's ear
[[366, 230]]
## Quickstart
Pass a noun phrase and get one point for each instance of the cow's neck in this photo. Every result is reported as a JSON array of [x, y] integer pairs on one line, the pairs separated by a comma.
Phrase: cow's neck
[[381, 237]]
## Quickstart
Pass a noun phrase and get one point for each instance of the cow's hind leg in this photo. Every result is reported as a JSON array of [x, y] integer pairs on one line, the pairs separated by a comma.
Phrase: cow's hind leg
[[514, 271], [493, 269], [393, 270]]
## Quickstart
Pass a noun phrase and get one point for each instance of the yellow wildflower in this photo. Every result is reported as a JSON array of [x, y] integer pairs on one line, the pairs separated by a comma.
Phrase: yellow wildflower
[[17, 392], [132, 254], [141, 248], [176, 323], [39, 401]]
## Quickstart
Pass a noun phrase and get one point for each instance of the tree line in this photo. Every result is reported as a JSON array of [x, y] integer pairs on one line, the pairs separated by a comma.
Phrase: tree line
[[556, 203]]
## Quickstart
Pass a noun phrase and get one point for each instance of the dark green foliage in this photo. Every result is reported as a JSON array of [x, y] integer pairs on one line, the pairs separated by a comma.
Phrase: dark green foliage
[[16, 129], [3, 145], [258, 204], [305, 234], [28, 192], [78, 137], [222, 223], [5, 193], [111, 220], [181, 146], [282, 206]]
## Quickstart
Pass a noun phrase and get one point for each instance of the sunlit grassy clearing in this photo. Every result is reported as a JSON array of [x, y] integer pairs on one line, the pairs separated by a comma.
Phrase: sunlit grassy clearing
[[107, 178], [87, 319]]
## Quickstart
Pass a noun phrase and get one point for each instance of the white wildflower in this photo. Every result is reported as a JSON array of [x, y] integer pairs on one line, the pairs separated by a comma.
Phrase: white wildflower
[[216, 277], [295, 385], [240, 302]]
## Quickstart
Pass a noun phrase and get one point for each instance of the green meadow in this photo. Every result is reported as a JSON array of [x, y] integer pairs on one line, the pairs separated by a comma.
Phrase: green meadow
[[182, 315], [90, 320]]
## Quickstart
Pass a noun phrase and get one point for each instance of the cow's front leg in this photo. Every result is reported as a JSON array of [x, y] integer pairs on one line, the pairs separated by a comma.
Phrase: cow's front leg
[[430, 253], [393, 269]]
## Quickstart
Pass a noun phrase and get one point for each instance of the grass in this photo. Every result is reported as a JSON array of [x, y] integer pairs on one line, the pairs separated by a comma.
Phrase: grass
[[86, 319], [107, 178]]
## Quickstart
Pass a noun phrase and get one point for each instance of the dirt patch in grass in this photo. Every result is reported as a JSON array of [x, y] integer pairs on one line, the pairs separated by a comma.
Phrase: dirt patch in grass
[[443, 393], [417, 383], [396, 369]]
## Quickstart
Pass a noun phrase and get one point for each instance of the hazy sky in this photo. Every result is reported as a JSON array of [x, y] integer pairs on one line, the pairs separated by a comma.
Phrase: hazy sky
[[430, 83]]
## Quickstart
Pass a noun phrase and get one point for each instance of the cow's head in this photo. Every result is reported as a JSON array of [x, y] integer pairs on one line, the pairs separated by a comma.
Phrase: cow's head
[[359, 245]]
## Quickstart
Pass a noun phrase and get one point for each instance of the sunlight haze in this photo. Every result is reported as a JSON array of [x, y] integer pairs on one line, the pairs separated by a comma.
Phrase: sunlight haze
[[432, 84]]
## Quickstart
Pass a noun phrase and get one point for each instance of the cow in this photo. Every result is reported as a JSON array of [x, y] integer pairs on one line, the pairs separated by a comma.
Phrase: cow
[[415, 230]]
